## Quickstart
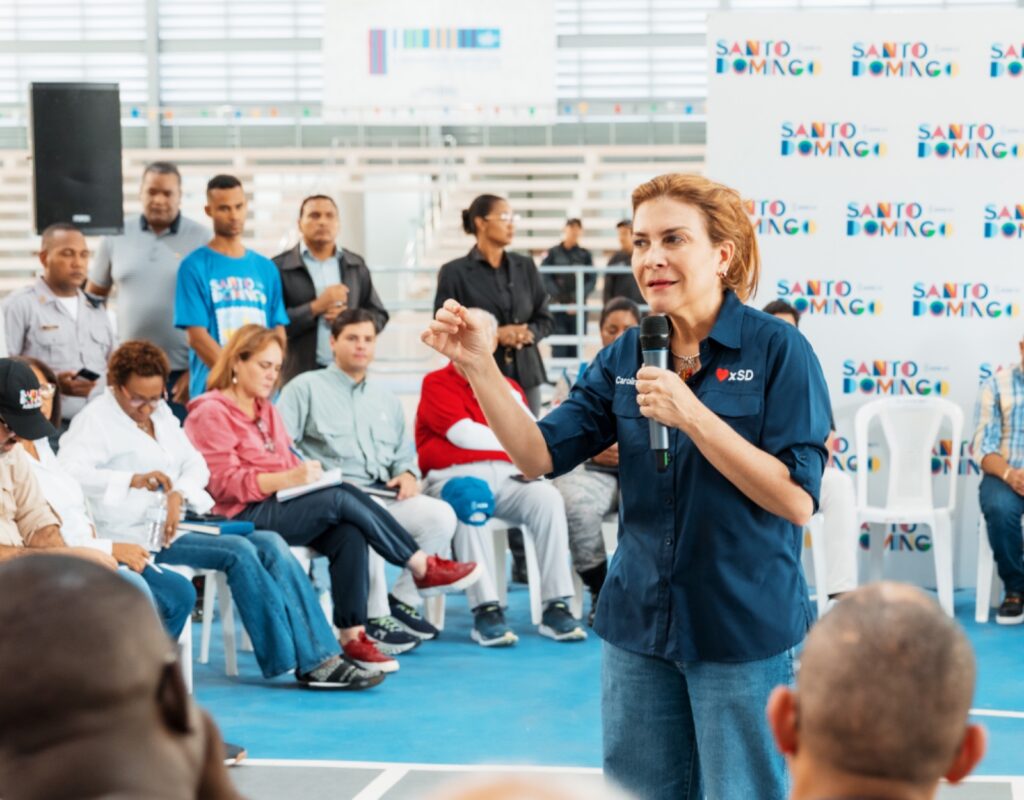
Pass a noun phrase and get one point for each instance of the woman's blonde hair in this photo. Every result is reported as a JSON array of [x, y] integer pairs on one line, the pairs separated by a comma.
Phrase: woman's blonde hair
[[246, 342], [725, 218]]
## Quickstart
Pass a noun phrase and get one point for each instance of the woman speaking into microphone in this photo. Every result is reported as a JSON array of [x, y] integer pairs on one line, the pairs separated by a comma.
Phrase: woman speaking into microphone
[[705, 599]]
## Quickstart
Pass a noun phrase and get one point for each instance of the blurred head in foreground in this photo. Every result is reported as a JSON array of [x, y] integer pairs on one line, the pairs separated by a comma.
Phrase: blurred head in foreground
[[93, 703], [881, 702]]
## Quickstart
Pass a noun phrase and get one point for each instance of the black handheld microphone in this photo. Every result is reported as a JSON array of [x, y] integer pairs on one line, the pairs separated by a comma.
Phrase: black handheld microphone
[[655, 332]]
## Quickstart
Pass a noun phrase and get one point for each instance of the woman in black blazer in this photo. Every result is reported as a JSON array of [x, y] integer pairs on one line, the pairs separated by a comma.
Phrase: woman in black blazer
[[505, 284]]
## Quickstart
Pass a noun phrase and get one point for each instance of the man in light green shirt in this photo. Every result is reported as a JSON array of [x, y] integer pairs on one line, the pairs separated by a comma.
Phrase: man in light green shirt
[[343, 419]]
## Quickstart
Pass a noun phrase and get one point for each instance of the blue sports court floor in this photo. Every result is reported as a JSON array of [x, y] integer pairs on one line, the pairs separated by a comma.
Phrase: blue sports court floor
[[454, 706]]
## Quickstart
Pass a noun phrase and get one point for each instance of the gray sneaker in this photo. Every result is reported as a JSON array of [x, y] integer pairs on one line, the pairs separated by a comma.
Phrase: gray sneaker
[[390, 637], [558, 624]]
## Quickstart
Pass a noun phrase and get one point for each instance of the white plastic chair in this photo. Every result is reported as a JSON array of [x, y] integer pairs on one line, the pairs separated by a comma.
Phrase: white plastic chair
[[185, 654], [434, 607], [910, 426], [816, 529]]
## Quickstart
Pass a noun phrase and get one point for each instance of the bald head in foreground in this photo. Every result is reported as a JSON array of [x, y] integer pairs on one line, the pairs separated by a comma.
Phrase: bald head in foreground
[[92, 701], [880, 706]]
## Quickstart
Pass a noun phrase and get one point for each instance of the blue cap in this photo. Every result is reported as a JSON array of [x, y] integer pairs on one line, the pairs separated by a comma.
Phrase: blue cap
[[471, 498]]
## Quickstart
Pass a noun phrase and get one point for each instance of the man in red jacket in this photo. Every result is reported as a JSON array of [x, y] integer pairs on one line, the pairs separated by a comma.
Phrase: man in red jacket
[[453, 441]]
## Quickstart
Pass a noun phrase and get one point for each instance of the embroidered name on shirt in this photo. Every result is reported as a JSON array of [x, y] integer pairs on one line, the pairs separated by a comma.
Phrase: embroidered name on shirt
[[738, 375], [625, 381]]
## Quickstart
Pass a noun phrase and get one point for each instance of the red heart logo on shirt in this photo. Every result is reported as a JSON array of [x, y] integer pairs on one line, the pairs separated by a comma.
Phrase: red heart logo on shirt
[[721, 374]]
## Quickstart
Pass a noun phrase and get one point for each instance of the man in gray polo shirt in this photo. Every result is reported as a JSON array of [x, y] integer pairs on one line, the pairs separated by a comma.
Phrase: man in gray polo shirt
[[143, 263]]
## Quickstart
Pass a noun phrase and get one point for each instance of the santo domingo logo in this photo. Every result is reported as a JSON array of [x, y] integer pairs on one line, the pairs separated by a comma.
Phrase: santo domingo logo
[[899, 60], [889, 378], [965, 300], [779, 218], [962, 140], [1006, 60], [1004, 221], [986, 370], [829, 140], [829, 297], [901, 538], [843, 457], [761, 58], [890, 220], [942, 458]]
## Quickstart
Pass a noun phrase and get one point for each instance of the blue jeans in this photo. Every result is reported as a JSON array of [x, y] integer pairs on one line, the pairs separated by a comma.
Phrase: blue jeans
[[274, 597], [338, 522], [680, 731], [1002, 508], [171, 594]]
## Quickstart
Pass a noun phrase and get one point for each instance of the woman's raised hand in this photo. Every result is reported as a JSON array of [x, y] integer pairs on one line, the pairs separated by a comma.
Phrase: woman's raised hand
[[461, 334]]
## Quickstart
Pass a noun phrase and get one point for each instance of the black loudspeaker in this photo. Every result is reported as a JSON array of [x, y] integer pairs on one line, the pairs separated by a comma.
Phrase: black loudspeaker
[[76, 156]]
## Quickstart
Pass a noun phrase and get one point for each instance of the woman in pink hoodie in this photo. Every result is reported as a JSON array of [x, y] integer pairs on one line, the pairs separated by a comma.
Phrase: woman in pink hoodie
[[246, 445]]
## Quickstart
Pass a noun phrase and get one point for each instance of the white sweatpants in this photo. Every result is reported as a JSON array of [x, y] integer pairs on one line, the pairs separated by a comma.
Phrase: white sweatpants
[[536, 506], [431, 522], [838, 506]]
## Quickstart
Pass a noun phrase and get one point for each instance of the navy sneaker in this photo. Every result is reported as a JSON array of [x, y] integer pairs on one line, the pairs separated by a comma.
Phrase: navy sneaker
[[234, 754], [411, 620], [559, 624], [1011, 612], [489, 627], [390, 637]]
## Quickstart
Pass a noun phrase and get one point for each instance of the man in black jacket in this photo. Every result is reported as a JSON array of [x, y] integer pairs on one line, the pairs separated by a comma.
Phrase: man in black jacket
[[319, 281], [562, 286]]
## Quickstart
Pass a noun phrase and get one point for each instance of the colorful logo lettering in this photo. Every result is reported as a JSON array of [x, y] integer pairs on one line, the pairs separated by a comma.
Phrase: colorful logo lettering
[[964, 140], [1004, 221], [899, 60], [778, 218], [964, 300], [900, 538], [1006, 60], [763, 59], [385, 42], [889, 219], [828, 140], [828, 297], [883, 377]]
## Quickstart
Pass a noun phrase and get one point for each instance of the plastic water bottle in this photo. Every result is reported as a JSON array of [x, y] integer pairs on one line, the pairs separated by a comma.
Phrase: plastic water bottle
[[156, 520]]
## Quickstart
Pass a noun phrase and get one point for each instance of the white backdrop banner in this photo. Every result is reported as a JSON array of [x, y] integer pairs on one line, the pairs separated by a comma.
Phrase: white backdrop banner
[[439, 62], [882, 158]]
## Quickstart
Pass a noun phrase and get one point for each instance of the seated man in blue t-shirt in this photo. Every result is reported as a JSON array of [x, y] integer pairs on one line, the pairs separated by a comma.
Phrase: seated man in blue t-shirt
[[223, 286]]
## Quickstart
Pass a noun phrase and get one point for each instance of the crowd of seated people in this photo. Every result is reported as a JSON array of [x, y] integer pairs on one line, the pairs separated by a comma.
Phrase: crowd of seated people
[[255, 381]]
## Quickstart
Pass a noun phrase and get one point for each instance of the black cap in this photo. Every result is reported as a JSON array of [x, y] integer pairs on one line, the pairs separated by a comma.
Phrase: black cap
[[20, 401]]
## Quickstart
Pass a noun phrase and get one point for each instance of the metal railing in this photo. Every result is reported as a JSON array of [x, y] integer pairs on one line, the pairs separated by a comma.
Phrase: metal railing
[[586, 310]]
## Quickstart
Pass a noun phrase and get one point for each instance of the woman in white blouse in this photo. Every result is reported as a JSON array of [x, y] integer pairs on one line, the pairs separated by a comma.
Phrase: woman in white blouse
[[172, 594], [124, 447]]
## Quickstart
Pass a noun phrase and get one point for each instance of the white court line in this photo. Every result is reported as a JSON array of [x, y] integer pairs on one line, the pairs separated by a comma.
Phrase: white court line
[[388, 765], [988, 712], [386, 780]]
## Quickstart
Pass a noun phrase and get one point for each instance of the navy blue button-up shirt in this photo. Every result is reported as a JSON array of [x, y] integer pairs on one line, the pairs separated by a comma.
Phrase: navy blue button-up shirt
[[701, 572]]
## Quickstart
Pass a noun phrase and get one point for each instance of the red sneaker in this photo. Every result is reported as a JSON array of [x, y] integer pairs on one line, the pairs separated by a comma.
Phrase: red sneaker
[[365, 653], [445, 576]]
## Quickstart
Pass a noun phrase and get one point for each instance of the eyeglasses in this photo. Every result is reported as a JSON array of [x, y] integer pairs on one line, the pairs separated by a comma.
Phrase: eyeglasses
[[506, 216], [268, 443], [139, 402], [47, 390]]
